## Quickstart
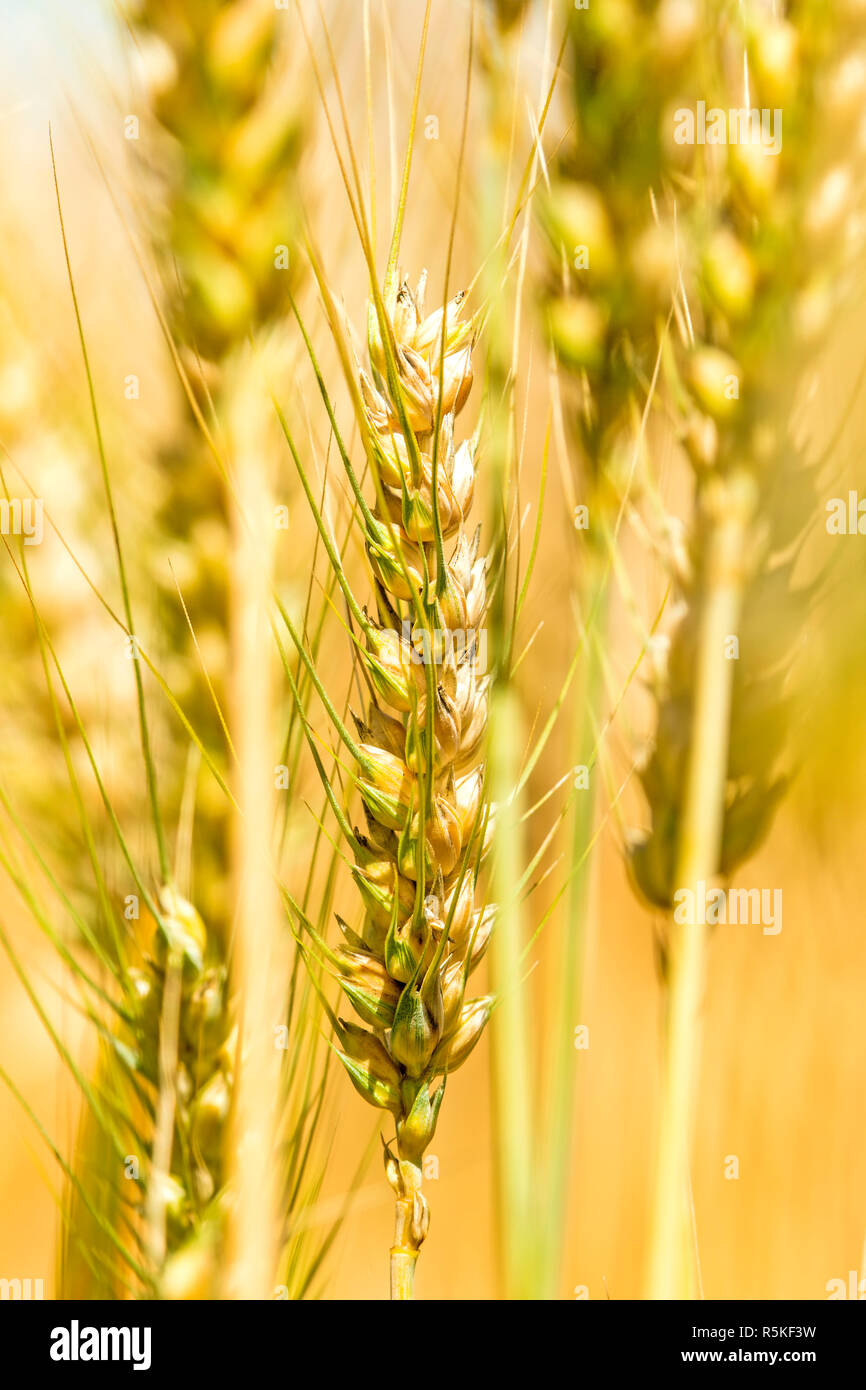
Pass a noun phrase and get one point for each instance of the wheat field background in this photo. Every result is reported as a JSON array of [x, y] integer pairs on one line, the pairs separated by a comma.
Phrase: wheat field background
[[783, 1073]]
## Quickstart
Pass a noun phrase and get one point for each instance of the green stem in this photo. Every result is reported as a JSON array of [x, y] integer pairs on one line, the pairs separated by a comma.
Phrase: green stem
[[568, 996], [408, 1232], [404, 1256], [510, 1033], [671, 1271]]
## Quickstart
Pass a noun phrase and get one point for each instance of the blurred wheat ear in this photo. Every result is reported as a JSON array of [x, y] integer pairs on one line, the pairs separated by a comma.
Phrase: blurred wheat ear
[[533, 1145], [219, 192], [231, 168], [605, 294], [651, 245], [730, 240], [163, 1195]]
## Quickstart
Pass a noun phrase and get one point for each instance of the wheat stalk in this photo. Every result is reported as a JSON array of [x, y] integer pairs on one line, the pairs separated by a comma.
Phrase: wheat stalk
[[644, 231], [231, 209], [512, 1037], [716, 770], [230, 146], [427, 825], [260, 966], [610, 275]]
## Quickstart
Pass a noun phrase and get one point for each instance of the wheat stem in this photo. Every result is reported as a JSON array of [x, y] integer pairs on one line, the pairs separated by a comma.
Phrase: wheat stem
[[511, 1041], [670, 1269], [404, 1251], [568, 994], [511, 1051], [259, 964]]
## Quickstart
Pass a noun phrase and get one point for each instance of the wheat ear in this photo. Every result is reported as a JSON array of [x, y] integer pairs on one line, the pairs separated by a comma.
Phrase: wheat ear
[[223, 211], [223, 149], [757, 311], [225, 154], [427, 824], [611, 272], [717, 240]]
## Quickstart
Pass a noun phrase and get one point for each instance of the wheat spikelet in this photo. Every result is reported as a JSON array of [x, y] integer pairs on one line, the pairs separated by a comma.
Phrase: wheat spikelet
[[417, 863], [149, 1157], [198, 1071]]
